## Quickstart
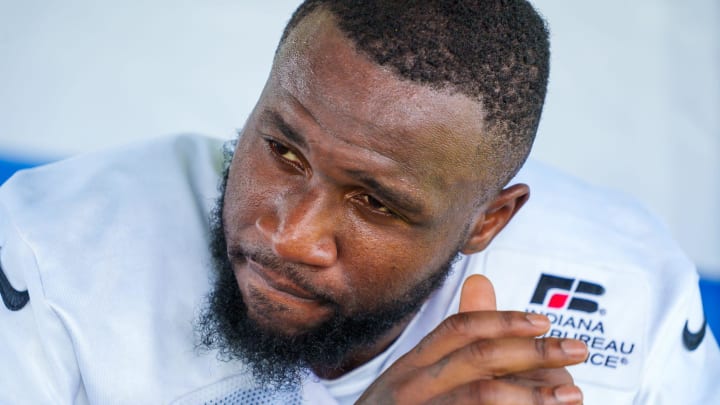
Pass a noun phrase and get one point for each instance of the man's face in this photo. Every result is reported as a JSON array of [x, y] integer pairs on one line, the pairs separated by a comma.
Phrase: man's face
[[349, 188]]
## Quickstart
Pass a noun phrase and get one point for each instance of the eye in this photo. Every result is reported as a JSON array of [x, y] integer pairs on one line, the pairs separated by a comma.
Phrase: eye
[[375, 205], [285, 153]]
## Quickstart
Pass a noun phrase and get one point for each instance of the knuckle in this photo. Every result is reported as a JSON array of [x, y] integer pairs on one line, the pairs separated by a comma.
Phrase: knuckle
[[541, 348], [508, 319], [459, 323], [538, 396], [487, 392], [482, 350]]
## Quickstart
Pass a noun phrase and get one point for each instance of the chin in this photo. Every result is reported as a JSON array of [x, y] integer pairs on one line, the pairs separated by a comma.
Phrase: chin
[[278, 318], [275, 309]]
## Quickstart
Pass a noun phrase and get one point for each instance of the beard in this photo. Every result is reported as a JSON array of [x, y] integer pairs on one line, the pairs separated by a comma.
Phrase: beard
[[280, 360]]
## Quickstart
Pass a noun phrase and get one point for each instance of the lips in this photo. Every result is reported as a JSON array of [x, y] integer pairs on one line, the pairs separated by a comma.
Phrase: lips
[[280, 283]]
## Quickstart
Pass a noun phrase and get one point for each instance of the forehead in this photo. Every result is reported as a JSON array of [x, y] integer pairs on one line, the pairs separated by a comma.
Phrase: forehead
[[435, 133]]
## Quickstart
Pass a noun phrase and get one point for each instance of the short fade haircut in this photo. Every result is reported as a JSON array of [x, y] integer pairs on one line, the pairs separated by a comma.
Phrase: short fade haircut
[[493, 51]]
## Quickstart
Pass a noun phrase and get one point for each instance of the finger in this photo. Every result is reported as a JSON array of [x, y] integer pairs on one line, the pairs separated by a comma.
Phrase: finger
[[477, 294], [498, 392], [463, 328], [496, 358], [540, 377]]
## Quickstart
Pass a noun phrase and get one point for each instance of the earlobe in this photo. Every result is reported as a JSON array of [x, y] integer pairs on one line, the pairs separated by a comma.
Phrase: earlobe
[[495, 216]]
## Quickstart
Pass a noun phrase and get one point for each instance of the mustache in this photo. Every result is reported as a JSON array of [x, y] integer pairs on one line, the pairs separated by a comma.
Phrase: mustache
[[293, 272]]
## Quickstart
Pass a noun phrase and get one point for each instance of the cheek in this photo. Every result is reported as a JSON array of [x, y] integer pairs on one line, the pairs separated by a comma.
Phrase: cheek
[[380, 268], [247, 188]]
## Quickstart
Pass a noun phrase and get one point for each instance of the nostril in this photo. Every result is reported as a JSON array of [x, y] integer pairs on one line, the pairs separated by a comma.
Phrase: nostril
[[266, 226]]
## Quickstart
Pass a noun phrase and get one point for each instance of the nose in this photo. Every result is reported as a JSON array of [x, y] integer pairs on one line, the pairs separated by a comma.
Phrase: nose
[[301, 230]]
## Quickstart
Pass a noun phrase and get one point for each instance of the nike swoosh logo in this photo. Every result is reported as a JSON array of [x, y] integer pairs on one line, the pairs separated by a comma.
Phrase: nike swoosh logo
[[692, 340], [13, 299]]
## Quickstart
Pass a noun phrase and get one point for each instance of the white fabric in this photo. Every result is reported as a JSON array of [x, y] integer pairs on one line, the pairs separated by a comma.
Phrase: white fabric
[[112, 249]]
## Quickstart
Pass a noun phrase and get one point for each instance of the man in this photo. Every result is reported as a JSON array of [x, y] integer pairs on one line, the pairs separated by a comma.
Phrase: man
[[380, 150]]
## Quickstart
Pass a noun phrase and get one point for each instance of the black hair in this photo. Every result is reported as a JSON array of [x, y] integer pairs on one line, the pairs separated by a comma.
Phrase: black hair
[[494, 51]]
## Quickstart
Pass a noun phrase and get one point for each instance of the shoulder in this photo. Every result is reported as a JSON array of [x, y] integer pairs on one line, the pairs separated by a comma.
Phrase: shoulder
[[83, 194], [113, 206], [114, 244], [601, 267]]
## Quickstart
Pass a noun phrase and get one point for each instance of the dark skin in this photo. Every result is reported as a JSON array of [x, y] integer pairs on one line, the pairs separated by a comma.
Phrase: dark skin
[[483, 356], [344, 172]]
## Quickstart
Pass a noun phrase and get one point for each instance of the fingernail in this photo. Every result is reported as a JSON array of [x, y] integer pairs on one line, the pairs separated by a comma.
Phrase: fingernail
[[574, 348], [541, 321], [568, 394]]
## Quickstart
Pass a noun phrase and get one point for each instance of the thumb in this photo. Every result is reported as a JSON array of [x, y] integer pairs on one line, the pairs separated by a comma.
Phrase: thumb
[[477, 294]]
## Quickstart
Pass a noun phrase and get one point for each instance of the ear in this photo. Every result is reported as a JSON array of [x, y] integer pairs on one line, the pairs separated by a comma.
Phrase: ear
[[495, 216]]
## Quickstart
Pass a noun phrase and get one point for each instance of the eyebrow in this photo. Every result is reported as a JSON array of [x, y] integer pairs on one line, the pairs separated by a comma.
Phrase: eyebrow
[[272, 117], [400, 200]]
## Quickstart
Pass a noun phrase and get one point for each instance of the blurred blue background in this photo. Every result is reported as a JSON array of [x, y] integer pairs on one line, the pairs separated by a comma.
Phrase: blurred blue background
[[633, 100], [711, 301]]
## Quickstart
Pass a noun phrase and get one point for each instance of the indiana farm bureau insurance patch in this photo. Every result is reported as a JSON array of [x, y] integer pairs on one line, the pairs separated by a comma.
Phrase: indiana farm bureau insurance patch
[[604, 307]]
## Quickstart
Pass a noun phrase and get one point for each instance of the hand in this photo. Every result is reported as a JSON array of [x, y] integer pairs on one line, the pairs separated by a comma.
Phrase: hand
[[483, 356]]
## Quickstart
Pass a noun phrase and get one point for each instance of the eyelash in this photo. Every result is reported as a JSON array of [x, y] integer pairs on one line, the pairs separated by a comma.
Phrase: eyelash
[[278, 149], [365, 200]]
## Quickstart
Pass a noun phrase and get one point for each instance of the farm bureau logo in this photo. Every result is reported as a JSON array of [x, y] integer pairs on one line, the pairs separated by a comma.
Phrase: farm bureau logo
[[573, 314], [558, 300]]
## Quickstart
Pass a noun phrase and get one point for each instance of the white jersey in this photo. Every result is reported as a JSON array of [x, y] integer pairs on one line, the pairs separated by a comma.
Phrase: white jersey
[[105, 266]]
